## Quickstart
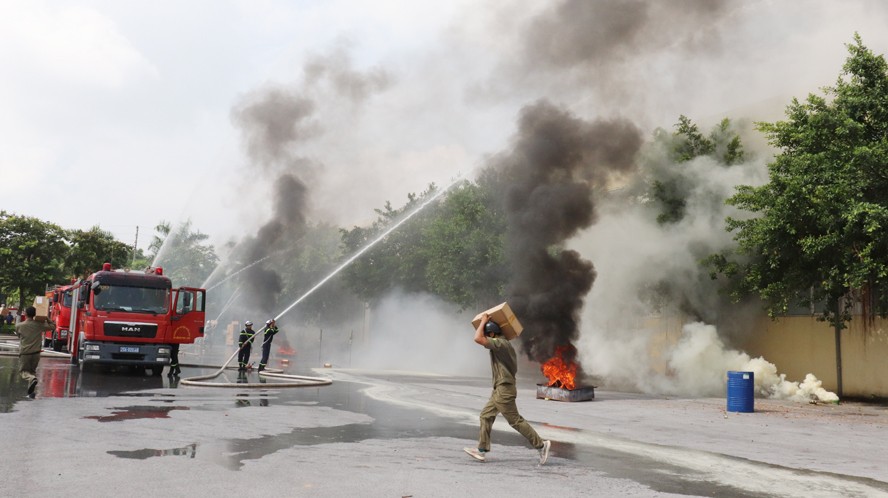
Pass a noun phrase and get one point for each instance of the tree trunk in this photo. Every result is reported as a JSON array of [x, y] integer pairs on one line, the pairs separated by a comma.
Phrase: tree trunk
[[837, 324]]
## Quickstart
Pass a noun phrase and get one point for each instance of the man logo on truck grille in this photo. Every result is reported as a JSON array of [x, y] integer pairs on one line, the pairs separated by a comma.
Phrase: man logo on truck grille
[[130, 329]]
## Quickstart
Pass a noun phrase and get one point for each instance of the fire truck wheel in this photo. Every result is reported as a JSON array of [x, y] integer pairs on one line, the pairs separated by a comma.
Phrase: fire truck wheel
[[57, 345], [156, 371]]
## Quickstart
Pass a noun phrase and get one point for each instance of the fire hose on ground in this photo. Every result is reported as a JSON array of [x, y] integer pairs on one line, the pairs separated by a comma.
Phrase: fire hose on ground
[[301, 380]]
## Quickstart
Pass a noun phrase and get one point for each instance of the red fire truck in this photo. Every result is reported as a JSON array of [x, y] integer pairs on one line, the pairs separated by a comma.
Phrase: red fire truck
[[60, 314], [129, 317]]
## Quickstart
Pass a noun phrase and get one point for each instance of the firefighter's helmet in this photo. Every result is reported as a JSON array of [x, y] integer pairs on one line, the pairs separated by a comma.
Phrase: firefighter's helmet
[[248, 323]]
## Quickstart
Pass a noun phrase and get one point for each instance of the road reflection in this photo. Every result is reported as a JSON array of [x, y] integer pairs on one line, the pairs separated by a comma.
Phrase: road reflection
[[57, 378]]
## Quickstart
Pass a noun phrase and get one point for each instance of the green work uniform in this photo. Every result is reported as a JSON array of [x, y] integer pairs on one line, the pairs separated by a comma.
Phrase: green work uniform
[[30, 334], [504, 366]]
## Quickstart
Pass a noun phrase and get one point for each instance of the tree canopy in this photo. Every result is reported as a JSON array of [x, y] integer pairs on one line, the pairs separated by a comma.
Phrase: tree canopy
[[453, 249], [464, 247], [183, 252], [89, 249], [31, 255], [670, 187], [395, 262], [817, 230]]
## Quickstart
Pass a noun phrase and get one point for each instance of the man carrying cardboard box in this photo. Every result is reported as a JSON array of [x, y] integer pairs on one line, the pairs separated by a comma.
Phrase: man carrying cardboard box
[[30, 334], [504, 365]]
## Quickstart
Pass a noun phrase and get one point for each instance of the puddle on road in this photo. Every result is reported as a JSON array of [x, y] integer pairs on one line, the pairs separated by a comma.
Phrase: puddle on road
[[57, 378], [137, 412], [189, 451]]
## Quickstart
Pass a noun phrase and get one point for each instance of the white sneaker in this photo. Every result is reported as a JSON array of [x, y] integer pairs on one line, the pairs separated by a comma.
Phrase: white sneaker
[[544, 451], [475, 453]]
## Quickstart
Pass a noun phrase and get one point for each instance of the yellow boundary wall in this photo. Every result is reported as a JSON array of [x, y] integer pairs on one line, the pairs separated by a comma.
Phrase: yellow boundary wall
[[799, 345]]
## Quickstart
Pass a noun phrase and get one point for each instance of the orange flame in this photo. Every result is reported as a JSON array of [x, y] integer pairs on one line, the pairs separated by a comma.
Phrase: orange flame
[[560, 373], [286, 351]]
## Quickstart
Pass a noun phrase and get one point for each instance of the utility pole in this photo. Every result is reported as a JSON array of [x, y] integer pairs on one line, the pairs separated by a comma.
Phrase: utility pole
[[320, 346], [135, 244]]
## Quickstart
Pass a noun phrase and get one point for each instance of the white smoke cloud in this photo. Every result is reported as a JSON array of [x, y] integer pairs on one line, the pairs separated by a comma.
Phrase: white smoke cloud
[[623, 339], [421, 333], [693, 364]]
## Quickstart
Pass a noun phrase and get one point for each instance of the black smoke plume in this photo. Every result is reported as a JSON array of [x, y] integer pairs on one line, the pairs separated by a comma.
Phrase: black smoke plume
[[548, 179], [276, 121], [594, 34]]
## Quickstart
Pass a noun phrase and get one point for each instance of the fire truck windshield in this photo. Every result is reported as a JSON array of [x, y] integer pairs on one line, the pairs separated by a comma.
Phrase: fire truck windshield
[[131, 299]]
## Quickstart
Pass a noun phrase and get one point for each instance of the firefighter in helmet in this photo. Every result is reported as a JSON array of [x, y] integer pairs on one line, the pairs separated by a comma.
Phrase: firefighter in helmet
[[270, 330], [245, 343]]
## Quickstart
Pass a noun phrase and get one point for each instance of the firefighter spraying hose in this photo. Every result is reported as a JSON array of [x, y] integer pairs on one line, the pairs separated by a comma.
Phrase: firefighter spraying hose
[[288, 379]]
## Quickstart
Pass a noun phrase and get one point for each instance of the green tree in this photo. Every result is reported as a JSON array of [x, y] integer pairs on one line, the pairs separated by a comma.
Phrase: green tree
[[161, 232], [464, 247], [303, 265], [688, 142], [670, 185], [452, 249], [91, 248], [397, 261], [818, 231], [183, 253], [31, 254]]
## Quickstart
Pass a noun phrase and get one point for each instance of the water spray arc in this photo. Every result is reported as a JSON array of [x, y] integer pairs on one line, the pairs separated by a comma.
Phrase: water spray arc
[[229, 277], [254, 263], [229, 303], [369, 246], [302, 381]]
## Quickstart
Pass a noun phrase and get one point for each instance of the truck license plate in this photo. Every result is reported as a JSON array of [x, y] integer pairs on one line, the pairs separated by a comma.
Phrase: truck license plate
[[129, 349]]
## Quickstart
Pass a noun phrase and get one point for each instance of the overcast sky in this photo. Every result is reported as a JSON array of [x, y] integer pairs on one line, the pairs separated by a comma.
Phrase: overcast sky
[[122, 114]]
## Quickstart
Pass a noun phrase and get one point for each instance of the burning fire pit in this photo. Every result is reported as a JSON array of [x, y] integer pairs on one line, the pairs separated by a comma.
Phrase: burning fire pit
[[561, 371], [583, 393]]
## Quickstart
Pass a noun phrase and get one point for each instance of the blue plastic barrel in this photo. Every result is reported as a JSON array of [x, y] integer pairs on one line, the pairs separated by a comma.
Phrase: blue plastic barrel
[[741, 387]]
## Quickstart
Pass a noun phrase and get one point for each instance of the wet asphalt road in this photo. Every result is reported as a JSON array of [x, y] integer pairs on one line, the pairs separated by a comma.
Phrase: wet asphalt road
[[387, 434]]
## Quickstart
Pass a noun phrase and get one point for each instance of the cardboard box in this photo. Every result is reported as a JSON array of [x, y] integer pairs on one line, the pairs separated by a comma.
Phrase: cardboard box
[[504, 317], [41, 304]]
